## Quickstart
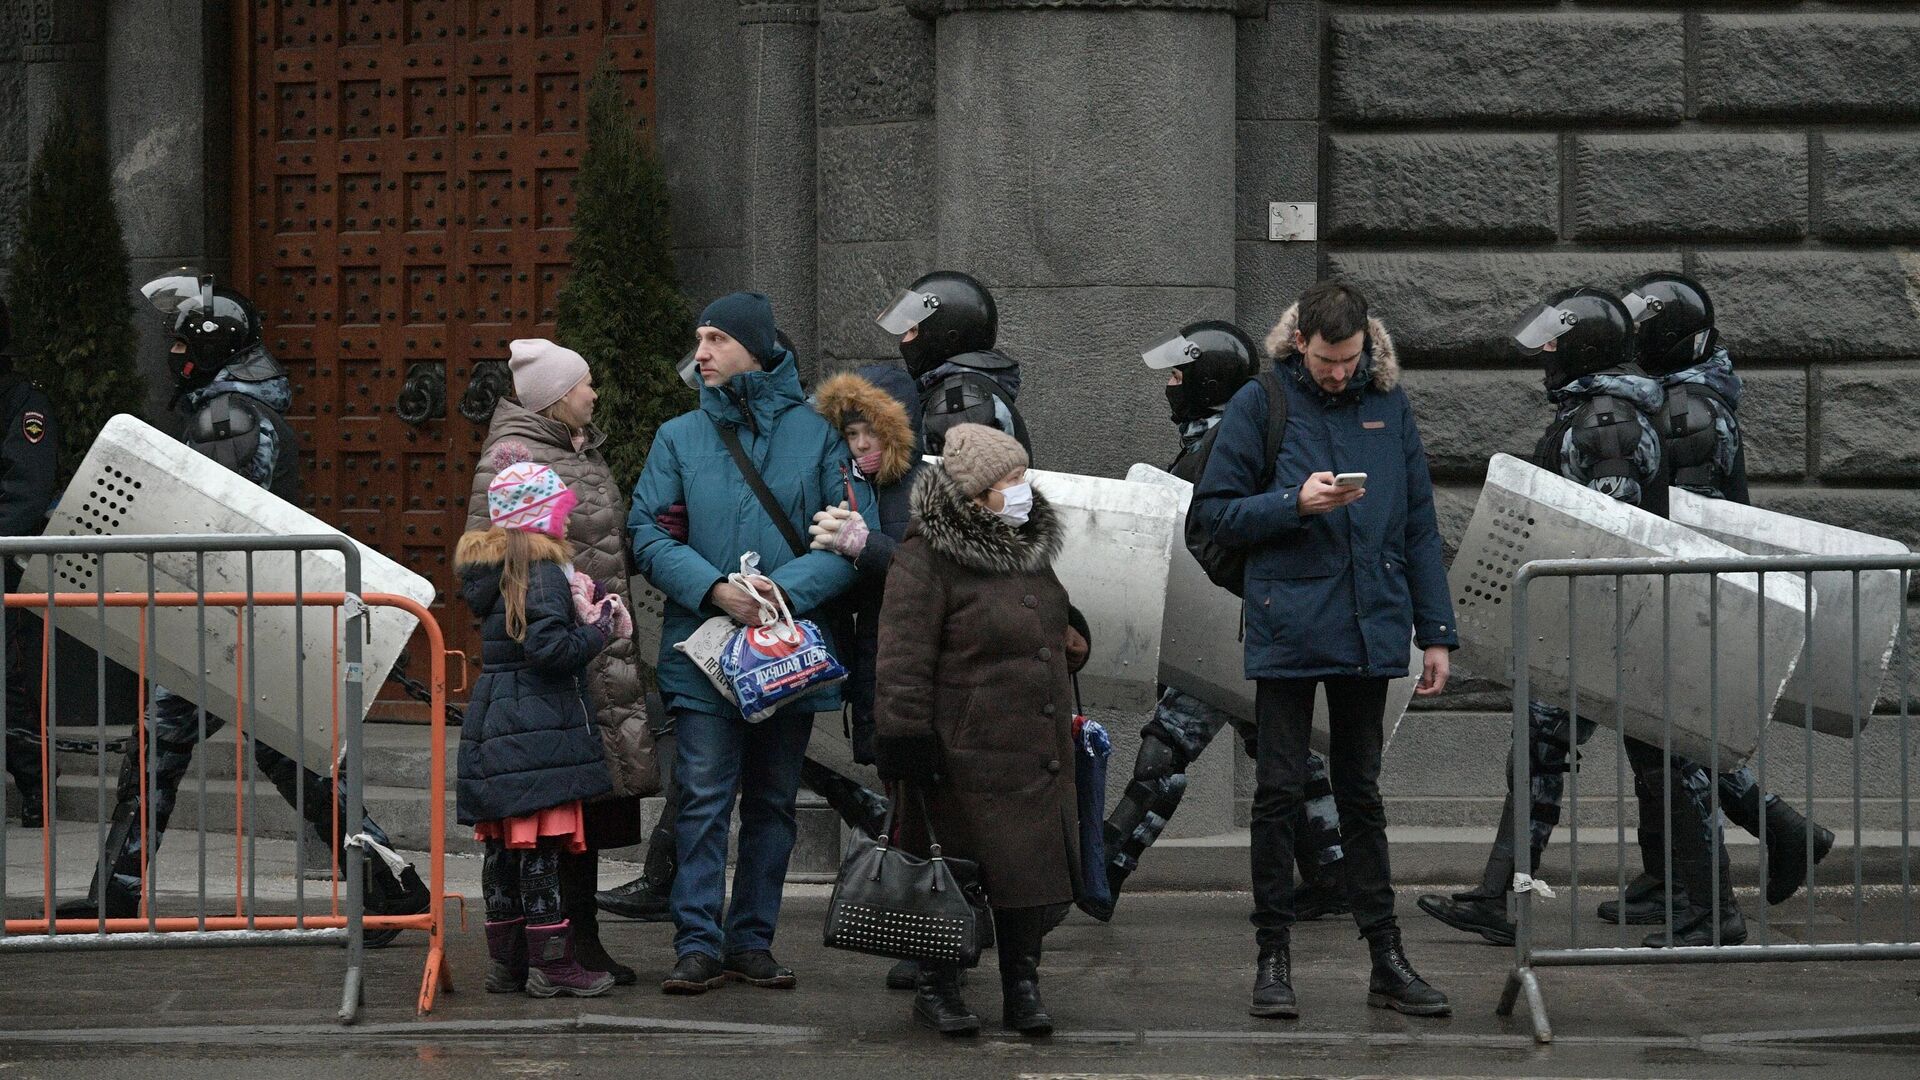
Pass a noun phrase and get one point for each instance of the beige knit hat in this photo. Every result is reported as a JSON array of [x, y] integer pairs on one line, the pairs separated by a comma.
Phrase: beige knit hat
[[543, 372], [977, 456]]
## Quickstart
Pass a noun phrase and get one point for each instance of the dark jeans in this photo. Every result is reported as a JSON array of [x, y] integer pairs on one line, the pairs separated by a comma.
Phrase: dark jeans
[[1284, 711]]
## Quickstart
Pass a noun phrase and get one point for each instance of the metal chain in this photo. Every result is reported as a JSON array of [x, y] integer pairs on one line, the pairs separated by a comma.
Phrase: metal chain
[[418, 690]]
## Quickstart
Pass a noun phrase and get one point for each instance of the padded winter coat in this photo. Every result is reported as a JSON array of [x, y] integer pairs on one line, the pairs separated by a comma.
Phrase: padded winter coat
[[973, 684], [597, 532], [528, 741], [1340, 593], [805, 464]]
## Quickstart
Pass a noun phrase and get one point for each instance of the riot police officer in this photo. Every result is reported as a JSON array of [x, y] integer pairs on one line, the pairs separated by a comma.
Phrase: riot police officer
[[1679, 344], [1604, 435], [948, 323], [231, 396], [1206, 363], [28, 486]]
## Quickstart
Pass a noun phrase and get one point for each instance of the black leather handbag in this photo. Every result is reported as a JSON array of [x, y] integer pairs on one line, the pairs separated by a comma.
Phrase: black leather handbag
[[888, 902]]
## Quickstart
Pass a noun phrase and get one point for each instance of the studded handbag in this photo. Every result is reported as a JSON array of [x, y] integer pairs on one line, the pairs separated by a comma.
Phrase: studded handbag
[[889, 902]]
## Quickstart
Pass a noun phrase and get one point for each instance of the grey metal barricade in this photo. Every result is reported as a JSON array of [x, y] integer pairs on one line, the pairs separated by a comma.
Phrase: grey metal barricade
[[1607, 579], [339, 919]]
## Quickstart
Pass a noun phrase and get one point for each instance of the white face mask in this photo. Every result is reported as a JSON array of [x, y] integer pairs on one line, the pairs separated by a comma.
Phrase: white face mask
[[1017, 504]]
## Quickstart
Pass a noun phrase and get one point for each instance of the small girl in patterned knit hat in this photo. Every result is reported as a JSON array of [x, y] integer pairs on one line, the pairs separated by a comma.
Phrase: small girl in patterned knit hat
[[529, 752]]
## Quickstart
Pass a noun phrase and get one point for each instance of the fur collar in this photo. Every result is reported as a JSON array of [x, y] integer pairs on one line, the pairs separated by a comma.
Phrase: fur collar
[[963, 531], [1386, 362], [849, 393], [488, 547]]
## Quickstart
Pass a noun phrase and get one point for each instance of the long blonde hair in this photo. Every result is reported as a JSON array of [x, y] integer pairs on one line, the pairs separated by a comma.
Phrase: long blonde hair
[[516, 550]]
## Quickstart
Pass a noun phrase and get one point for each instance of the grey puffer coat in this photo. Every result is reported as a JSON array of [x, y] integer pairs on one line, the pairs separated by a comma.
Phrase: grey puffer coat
[[597, 532]]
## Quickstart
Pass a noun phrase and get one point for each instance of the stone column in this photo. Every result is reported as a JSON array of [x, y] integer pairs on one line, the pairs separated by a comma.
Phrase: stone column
[[1085, 162], [776, 161], [61, 48], [1085, 156]]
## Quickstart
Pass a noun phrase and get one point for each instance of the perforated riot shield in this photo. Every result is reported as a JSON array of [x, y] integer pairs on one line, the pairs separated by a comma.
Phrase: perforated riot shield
[[137, 480], [1201, 651], [1639, 652], [1825, 677]]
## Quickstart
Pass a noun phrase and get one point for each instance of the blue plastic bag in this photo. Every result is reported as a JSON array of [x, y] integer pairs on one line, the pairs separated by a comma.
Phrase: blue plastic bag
[[1091, 749]]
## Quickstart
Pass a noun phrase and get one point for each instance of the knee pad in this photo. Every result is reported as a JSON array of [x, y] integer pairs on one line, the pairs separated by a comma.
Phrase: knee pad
[[1159, 756]]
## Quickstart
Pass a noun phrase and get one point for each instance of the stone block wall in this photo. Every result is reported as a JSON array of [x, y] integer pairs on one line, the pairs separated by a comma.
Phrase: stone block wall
[[1474, 158]]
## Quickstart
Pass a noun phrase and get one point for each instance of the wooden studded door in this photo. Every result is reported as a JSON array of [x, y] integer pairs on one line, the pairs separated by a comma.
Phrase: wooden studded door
[[403, 206]]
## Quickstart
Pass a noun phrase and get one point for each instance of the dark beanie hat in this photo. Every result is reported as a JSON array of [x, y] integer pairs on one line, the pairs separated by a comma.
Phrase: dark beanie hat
[[746, 317]]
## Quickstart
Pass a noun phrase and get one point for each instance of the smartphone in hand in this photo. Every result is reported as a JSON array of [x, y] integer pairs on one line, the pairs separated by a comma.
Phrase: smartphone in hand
[[1350, 480]]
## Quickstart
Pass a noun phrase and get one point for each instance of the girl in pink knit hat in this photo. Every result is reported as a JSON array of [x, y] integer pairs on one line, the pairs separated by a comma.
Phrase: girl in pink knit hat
[[529, 754]]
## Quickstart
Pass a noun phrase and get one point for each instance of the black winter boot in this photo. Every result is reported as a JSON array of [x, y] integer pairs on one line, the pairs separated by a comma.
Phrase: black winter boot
[[1273, 983], [1694, 926], [1394, 984], [578, 876], [1788, 836], [938, 1005], [646, 898], [1018, 933], [859, 806], [387, 894]]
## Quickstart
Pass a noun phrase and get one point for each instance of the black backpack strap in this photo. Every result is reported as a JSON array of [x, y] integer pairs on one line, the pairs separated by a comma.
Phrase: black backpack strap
[[767, 502], [1276, 420]]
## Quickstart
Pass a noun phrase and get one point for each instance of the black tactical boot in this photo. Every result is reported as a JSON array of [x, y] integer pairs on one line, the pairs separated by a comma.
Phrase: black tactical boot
[[1695, 927], [123, 871], [859, 806], [1473, 914], [1394, 984], [387, 894], [1323, 894], [1788, 837], [1646, 903], [1273, 983], [937, 1002]]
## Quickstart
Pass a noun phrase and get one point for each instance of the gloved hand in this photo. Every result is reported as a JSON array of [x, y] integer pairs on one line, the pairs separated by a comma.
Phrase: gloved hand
[[851, 540], [827, 524], [673, 521], [604, 621], [622, 618], [916, 759], [586, 606]]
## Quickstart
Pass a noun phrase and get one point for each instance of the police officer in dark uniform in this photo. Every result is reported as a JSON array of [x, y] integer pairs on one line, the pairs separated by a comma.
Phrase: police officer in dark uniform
[[28, 487], [1207, 362], [1604, 435], [947, 324], [1679, 345], [231, 396]]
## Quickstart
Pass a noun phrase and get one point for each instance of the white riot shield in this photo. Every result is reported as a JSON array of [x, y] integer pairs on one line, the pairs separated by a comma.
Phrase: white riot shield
[[137, 480], [1824, 678], [1201, 651], [1526, 513]]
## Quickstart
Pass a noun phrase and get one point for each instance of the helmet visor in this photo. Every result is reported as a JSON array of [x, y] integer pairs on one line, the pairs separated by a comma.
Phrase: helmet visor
[[1641, 307], [689, 369], [1541, 326], [907, 311], [1171, 353], [175, 289]]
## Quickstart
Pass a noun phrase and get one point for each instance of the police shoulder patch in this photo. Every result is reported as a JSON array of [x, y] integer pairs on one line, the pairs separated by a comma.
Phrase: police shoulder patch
[[34, 426]]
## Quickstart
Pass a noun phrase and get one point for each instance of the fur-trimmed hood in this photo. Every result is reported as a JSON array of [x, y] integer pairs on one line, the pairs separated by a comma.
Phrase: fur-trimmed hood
[[1386, 362], [848, 393], [963, 531], [488, 547]]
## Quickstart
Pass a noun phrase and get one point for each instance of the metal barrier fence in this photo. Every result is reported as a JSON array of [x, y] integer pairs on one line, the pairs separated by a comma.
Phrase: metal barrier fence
[[1701, 660], [330, 919]]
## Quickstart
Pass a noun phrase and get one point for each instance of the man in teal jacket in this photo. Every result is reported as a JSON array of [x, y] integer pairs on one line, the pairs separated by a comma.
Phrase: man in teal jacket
[[752, 388]]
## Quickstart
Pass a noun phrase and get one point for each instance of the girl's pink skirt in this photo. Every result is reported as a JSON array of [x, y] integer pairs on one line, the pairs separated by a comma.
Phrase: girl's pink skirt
[[567, 821]]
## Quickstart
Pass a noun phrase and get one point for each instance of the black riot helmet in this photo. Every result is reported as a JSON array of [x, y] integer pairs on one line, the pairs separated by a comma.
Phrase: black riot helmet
[[954, 313], [1577, 332], [214, 322], [1674, 322], [1215, 358]]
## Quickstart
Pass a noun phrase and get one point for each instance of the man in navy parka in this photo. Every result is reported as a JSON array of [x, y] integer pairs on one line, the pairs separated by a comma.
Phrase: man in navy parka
[[1338, 579], [752, 385]]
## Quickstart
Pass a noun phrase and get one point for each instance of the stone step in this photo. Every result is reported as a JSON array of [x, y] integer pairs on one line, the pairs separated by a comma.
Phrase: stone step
[[395, 755]]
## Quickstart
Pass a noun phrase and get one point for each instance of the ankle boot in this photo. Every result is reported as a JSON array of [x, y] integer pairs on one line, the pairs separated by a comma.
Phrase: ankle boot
[[937, 1002], [1694, 926], [507, 956], [1473, 914], [553, 969], [1788, 836], [578, 875], [122, 887], [1273, 982], [1394, 984], [1646, 903], [857, 805], [1019, 932]]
